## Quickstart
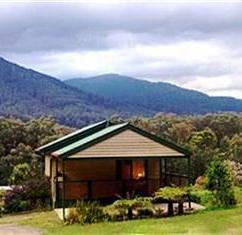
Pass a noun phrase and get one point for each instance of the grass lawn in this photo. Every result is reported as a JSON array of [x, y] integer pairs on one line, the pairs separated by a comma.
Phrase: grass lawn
[[227, 221]]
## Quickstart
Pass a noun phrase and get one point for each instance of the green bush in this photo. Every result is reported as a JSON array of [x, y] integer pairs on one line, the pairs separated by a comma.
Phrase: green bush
[[90, 212], [2, 194], [145, 212], [114, 214], [238, 195], [171, 194], [219, 181], [201, 182], [129, 208], [203, 197], [33, 194], [15, 200], [20, 174]]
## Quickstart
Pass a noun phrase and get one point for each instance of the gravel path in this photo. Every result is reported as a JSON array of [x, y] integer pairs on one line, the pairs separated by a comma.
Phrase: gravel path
[[12, 229]]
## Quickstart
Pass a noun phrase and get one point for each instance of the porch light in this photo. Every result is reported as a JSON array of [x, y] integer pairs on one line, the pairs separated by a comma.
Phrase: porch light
[[138, 169], [140, 175]]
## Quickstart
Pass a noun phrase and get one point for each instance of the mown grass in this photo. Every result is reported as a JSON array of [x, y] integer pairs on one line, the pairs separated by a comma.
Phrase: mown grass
[[222, 221]]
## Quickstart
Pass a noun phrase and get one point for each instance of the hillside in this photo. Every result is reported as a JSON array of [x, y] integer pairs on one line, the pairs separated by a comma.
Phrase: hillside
[[154, 96], [26, 93]]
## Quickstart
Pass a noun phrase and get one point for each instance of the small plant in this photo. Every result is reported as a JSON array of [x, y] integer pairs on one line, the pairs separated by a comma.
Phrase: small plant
[[170, 195], [127, 207], [113, 213], [72, 217], [159, 212], [90, 212]]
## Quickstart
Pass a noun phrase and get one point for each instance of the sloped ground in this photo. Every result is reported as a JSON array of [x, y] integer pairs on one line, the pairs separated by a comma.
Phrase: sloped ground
[[12, 229], [220, 221]]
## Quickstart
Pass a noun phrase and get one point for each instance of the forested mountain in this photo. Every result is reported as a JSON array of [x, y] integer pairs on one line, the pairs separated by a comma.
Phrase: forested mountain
[[26, 93], [154, 97]]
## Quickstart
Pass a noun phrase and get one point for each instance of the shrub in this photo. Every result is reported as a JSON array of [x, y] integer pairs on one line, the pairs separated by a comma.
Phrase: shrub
[[238, 195], [220, 182], [2, 194], [126, 208], [38, 193], [145, 212], [236, 170], [203, 197], [20, 173], [15, 200], [201, 182], [72, 217], [123, 206], [90, 212], [171, 194], [31, 195], [113, 214]]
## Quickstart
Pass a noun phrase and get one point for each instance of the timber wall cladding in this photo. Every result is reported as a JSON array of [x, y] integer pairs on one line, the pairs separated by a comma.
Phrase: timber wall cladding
[[153, 169], [127, 144], [91, 170], [153, 175]]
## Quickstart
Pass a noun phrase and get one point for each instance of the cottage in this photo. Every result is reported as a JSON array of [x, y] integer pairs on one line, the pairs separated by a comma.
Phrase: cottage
[[104, 160]]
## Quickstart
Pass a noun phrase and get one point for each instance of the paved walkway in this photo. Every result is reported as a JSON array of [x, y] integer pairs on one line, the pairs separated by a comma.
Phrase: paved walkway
[[12, 229]]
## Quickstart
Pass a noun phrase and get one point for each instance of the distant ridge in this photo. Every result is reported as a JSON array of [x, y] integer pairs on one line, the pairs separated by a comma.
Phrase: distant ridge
[[155, 96], [25, 93]]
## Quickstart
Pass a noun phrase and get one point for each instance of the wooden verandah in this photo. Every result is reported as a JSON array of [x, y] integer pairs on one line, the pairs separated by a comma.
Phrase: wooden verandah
[[166, 178]]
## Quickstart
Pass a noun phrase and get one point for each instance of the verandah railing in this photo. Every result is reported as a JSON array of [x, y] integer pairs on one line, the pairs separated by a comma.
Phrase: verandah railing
[[107, 188]]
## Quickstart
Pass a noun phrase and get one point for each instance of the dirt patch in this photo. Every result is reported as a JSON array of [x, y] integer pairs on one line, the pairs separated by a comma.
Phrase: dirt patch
[[12, 229]]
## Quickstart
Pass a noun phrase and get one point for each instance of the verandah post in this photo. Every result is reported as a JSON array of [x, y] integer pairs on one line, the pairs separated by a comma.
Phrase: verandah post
[[56, 186], [63, 189], [165, 169], [189, 178], [160, 161]]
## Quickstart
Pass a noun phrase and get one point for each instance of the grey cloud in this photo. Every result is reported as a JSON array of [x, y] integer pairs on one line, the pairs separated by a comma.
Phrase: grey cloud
[[62, 26], [32, 32], [178, 72]]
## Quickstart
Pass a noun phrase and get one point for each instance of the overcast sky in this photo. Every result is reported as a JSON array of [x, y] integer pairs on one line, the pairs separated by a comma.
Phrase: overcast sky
[[193, 45]]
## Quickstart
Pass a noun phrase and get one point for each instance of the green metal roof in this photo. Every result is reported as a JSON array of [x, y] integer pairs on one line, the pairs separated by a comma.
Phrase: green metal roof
[[89, 139], [70, 138], [92, 134]]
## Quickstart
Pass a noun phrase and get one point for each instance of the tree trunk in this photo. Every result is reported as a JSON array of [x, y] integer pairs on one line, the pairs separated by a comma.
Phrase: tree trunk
[[180, 208], [130, 213], [170, 208]]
